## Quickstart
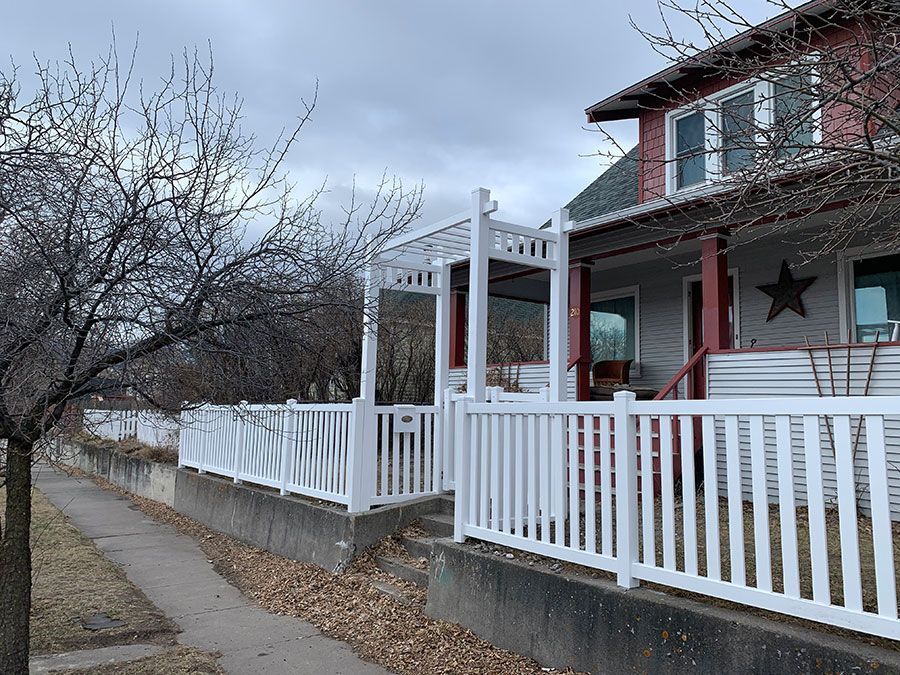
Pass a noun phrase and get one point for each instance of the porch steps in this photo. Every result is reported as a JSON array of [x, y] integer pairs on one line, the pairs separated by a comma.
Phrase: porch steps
[[403, 570], [438, 524], [418, 547]]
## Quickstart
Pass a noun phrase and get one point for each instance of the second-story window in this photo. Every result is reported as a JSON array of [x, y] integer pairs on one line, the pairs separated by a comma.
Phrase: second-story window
[[738, 125], [720, 135], [690, 151], [792, 113]]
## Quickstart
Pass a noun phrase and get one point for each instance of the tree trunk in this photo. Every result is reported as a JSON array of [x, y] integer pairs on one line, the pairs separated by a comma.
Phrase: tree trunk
[[15, 562]]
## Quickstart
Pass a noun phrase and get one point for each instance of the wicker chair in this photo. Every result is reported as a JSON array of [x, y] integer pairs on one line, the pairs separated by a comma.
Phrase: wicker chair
[[612, 372]]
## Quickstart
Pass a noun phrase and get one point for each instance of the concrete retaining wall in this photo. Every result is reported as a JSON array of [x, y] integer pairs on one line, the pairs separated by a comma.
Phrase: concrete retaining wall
[[290, 526], [142, 477], [595, 626], [293, 527]]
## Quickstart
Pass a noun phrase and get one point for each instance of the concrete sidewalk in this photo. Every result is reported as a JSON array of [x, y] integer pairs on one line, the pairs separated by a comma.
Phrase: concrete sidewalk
[[175, 575]]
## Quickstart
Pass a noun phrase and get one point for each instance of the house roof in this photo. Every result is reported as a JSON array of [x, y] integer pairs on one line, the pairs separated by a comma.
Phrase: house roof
[[615, 189], [626, 104]]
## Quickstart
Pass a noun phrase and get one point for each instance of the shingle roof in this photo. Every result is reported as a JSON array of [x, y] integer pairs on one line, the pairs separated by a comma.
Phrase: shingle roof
[[615, 189]]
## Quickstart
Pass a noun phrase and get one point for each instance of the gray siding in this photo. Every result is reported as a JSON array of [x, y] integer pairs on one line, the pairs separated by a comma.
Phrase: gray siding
[[789, 373], [530, 376]]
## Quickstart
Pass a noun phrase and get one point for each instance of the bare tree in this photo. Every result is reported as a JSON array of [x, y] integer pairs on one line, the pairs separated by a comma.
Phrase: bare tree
[[816, 141], [134, 228]]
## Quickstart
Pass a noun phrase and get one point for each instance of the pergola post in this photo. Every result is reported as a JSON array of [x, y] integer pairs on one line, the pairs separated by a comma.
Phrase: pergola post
[[559, 357], [476, 361], [442, 332], [559, 303], [369, 366], [362, 465]]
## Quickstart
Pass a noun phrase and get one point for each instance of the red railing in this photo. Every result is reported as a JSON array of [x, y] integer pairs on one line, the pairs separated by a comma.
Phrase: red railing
[[672, 386]]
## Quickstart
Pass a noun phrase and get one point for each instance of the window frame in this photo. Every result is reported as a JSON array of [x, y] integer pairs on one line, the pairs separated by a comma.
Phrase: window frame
[[618, 294], [764, 104], [847, 286]]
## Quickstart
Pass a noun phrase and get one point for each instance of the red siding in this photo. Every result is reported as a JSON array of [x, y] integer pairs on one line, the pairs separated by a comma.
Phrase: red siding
[[840, 122]]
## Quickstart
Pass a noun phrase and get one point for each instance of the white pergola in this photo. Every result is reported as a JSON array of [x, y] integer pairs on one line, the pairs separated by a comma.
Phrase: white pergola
[[419, 262]]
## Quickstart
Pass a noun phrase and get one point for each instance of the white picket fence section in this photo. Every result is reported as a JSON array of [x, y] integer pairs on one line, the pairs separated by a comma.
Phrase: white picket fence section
[[524, 468], [145, 426], [326, 451]]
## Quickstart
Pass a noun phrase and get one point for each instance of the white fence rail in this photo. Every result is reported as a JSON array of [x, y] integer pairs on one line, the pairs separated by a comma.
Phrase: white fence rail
[[340, 452], [296, 448], [597, 484], [145, 426]]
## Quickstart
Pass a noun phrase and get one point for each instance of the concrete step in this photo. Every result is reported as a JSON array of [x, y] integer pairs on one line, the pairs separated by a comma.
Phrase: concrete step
[[402, 570], [394, 591], [445, 504], [438, 524], [418, 547]]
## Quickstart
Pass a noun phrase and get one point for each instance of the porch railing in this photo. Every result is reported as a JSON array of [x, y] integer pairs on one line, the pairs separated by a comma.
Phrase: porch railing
[[822, 562]]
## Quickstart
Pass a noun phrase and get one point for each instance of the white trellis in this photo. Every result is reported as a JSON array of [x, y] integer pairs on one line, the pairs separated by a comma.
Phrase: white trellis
[[420, 262]]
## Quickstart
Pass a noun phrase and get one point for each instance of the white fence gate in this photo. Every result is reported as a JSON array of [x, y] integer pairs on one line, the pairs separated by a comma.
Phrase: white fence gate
[[823, 563]]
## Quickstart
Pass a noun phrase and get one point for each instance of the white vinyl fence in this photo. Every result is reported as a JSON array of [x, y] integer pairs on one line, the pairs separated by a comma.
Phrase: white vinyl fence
[[524, 469], [145, 426], [340, 452]]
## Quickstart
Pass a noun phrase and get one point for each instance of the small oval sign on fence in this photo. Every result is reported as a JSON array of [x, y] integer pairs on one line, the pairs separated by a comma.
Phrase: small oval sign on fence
[[406, 419]]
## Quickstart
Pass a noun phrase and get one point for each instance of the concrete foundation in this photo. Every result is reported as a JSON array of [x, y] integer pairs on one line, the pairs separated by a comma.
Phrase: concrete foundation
[[142, 477], [592, 625], [290, 526]]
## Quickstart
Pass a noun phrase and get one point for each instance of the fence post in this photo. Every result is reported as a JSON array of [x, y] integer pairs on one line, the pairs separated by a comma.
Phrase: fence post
[[288, 443], [359, 497], [241, 441], [203, 439], [461, 459], [182, 436], [448, 447], [626, 488]]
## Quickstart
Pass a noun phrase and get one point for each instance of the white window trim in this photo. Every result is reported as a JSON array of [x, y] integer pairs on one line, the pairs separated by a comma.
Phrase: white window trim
[[846, 287], [711, 106], [627, 292]]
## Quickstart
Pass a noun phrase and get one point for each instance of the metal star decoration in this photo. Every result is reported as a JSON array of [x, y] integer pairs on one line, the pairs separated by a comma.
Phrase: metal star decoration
[[786, 292]]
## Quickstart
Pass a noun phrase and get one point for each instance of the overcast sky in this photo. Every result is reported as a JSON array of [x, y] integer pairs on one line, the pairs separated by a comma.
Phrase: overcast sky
[[454, 94]]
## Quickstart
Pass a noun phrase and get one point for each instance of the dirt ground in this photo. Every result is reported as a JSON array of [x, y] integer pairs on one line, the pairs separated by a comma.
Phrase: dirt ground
[[73, 581], [175, 661], [397, 635]]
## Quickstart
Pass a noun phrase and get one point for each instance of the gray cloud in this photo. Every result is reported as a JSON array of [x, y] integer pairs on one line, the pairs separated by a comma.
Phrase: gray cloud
[[454, 94]]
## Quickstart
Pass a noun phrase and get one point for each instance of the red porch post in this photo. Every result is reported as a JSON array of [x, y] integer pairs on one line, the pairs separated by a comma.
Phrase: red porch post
[[457, 329], [580, 328], [714, 272]]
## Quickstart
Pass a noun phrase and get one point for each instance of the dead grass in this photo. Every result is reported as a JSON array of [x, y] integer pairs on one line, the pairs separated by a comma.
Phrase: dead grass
[[176, 661], [833, 545], [129, 447], [347, 606], [71, 580]]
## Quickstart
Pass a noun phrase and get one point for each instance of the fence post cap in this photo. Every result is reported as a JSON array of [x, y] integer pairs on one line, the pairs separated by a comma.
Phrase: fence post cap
[[291, 401], [625, 395], [244, 402]]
